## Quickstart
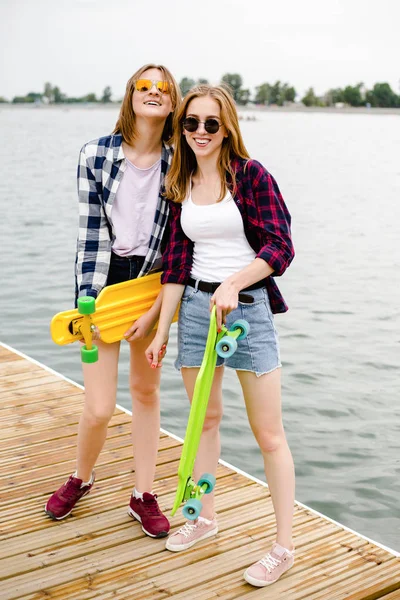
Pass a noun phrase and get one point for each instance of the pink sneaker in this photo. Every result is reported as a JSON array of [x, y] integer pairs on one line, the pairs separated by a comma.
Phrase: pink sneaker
[[191, 533], [148, 513], [64, 499], [271, 567]]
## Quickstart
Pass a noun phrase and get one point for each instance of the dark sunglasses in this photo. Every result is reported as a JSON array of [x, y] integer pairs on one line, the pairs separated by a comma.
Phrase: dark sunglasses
[[191, 124]]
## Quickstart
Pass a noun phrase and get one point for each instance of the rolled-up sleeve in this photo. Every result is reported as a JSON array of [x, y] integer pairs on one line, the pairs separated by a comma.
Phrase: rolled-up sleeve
[[93, 244], [178, 253], [273, 218]]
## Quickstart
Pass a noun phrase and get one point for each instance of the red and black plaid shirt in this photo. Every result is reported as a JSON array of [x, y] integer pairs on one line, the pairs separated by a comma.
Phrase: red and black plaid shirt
[[266, 223]]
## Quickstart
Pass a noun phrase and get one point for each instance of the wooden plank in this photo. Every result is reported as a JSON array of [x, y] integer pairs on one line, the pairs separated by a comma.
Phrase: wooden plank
[[8, 412], [11, 363], [53, 450], [370, 586], [22, 460], [57, 390], [58, 433], [27, 385], [6, 356], [392, 596]]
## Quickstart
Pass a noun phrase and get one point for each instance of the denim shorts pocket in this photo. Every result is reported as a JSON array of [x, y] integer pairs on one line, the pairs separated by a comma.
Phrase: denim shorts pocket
[[258, 296], [188, 293], [255, 302]]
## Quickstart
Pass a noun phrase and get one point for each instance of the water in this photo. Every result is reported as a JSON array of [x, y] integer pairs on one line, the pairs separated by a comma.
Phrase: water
[[340, 340]]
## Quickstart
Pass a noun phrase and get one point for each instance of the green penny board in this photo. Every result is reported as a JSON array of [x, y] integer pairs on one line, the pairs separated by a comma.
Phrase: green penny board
[[187, 487]]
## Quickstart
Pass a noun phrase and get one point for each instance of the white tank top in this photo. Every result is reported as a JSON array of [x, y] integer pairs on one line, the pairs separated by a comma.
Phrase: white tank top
[[220, 245], [133, 209]]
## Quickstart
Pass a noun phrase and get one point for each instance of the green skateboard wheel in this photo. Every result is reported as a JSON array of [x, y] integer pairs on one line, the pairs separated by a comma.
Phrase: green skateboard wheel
[[89, 356], [86, 305], [243, 326], [209, 480], [192, 509], [226, 347]]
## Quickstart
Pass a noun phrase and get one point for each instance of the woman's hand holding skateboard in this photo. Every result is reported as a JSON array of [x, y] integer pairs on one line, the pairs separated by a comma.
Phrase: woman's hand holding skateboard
[[225, 298]]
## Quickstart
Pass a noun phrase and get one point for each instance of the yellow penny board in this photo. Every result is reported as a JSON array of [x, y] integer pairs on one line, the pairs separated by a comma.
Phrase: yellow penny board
[[117, 307]]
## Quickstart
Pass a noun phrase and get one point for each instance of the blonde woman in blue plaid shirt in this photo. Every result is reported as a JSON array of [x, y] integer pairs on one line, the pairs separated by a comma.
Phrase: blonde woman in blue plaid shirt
[[122, 221]]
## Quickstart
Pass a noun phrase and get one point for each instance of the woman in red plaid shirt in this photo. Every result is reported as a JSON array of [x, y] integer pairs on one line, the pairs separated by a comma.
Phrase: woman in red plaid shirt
[[229, 236]]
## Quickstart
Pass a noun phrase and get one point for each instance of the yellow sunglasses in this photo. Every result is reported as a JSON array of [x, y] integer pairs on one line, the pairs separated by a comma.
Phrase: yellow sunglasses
[[145, 85]]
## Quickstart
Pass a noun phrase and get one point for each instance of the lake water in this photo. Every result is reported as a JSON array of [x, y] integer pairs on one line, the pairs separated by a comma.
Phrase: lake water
[[340, 340]]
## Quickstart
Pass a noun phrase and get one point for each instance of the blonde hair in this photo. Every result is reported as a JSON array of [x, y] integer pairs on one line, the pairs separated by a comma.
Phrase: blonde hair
[[125, 124], [184, 160]]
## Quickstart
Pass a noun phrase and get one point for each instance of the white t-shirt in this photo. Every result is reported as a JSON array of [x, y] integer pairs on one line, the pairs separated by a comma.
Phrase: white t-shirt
[[133, 209], [220, 244]]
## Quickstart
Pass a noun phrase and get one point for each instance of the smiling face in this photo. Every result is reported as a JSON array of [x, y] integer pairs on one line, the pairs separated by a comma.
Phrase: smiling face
[[152, 103], [202, 143]]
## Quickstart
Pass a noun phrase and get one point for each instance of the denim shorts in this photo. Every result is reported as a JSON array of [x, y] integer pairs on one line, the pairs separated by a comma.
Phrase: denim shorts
[[258, 352], [124, 268]]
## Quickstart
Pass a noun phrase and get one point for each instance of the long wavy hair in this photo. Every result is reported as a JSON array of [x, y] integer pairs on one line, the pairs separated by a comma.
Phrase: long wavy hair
[[126, 124], [184, 162]]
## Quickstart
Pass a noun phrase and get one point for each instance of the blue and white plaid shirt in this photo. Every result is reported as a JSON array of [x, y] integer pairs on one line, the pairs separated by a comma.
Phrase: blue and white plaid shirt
[[101, 166]]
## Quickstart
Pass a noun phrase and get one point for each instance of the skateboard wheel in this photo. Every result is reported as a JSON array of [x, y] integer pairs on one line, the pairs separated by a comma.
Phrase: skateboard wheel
[[209, 480], [86, 305], [243, 326], [89, 356], [192, 509], [226, 347]]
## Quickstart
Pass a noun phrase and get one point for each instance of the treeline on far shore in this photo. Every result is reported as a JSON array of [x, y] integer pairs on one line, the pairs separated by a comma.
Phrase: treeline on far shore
[[277, 94]]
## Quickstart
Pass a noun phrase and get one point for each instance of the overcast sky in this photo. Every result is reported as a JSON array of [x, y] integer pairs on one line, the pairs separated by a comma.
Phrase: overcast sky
[[84, 45]]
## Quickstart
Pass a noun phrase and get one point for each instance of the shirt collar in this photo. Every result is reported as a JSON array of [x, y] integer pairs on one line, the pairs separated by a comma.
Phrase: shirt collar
[[118, 153]]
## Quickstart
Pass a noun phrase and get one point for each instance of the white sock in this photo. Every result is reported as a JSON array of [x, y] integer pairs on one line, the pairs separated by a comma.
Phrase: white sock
[[84, 482], [137, 494]]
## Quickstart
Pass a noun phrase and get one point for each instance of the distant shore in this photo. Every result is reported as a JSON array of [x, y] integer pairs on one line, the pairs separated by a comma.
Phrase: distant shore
[[292, 108], [324, 109]]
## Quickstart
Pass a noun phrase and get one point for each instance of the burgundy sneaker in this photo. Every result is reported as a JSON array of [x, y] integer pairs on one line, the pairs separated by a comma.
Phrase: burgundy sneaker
[[64, 499], [147, 511]]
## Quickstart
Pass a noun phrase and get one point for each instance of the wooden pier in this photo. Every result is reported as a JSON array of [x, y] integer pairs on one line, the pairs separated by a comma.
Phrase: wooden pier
[[99, 552]]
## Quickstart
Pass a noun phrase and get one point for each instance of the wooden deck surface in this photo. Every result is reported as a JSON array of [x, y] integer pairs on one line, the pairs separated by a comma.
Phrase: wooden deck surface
[[99, 552]]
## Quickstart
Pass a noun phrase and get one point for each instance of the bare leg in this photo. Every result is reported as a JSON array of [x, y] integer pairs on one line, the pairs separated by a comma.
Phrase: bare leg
[[263, 402], [210, 444], [100, 380], [145, 391]]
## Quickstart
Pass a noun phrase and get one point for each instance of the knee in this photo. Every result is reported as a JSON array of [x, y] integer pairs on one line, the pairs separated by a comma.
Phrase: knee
[[144, 393], [98, 416], [212, 420], [270, 441]]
